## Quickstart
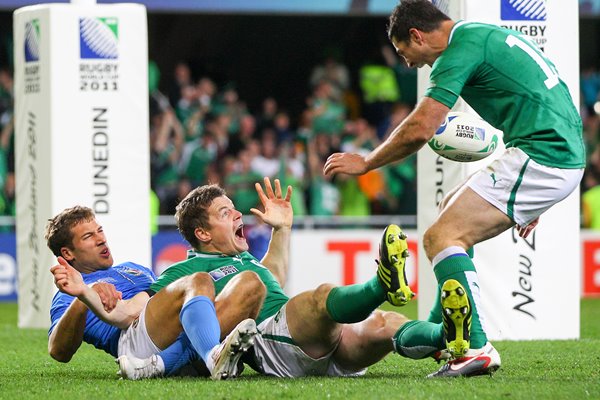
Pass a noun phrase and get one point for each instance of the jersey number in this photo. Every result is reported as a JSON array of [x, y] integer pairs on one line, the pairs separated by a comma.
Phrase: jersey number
[[552, 77]]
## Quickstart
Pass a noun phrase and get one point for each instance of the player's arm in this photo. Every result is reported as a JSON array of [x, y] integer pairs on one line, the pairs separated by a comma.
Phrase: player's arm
[[69, 280], [408, 137], [67, 335], [279, 214], [124, 313]]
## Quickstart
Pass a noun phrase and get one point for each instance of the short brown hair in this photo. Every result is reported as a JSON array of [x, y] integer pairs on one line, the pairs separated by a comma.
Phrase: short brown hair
[[191, 212], [419, 14], [58, 229]]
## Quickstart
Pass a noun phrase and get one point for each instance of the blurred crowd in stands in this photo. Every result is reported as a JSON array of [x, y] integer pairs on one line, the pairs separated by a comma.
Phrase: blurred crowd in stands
[[202, 131]]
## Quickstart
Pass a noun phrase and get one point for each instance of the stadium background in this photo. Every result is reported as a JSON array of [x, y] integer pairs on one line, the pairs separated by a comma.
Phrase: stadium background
[[262, 53]]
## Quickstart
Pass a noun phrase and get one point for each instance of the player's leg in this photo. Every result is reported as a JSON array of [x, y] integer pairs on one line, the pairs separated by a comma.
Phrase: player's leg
[[468, 220], [314, 316], [241, 298], [188, 299], [435, 314], [367, 342]]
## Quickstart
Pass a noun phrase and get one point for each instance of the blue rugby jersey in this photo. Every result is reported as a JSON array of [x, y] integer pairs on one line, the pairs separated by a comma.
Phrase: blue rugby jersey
[[129, 279]]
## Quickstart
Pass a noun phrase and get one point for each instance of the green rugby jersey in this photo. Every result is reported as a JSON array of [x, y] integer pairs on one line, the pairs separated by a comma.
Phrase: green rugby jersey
[[514, 87], [222, 268]]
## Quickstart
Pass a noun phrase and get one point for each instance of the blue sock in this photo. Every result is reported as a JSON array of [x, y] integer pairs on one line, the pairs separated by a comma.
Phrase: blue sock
[[199, 320], [178, 354]]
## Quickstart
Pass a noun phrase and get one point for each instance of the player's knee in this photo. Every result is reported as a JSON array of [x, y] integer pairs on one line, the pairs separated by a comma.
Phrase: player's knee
[[252, 286], [384, 323], [429, 241], [201, 283], [320, 294], [376, 320]]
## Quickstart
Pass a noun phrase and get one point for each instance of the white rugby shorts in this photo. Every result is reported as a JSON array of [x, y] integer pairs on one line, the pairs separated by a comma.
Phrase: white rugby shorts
[[135, 340], [276, 354], [521, 188]]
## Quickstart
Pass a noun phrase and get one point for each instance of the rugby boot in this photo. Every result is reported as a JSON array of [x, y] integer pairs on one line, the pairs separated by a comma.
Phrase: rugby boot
[[391, 272], [475, 362], [456, 317], [224, 359], [133, 368]]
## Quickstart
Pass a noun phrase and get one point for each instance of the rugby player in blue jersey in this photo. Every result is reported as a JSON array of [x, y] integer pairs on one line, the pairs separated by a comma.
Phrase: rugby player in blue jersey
[[126, 321]]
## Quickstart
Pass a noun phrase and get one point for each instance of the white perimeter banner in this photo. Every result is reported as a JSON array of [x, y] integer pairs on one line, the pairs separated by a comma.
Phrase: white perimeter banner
[[527, 285], [81, 90]]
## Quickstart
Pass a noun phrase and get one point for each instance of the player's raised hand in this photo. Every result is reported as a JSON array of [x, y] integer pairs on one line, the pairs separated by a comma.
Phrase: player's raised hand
[[345, 163], [109, 295], [67, 279], [278, 209]]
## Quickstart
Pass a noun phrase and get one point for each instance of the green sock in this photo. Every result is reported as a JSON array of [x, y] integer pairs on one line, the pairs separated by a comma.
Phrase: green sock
[[419, 339], [455, 267], [435, 315], [354, 303]]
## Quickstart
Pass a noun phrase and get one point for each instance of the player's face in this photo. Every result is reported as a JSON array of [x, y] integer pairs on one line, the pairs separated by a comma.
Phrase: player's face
[[411, 52], [225, 228], [90, 251]]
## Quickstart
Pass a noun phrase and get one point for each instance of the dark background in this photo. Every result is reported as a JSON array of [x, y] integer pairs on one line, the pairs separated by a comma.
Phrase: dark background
[[271, 55]]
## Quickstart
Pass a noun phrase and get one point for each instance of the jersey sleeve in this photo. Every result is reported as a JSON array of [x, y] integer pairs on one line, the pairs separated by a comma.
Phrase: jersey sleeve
[[171, 274], [453, 69], [60, 303]]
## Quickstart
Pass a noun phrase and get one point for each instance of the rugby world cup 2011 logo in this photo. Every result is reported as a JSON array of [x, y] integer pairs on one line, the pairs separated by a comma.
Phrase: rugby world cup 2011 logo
[[99, 38], [32, 40], [479, 134], [523, 10]]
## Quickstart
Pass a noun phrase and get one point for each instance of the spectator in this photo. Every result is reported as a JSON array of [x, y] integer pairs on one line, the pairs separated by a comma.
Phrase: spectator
[[182, 76], [267, 114], [240, 183], [196, 158], [333, 72], [267, 162], [324, 196], [166, 141], [328, 114]]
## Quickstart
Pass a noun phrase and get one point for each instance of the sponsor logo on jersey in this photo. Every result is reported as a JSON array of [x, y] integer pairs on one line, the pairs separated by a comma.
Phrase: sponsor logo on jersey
[[106, 280], [523, 10], [32, 40], [222, 272], [99, 38], [132, 271]]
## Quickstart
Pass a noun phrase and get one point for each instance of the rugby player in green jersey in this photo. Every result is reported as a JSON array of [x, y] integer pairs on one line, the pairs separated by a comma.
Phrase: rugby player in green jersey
[[123, 318], [513, 86], [329, 331]]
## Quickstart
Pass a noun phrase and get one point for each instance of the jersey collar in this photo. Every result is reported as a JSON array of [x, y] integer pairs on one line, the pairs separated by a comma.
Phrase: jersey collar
[[454, 28], [193, 253]]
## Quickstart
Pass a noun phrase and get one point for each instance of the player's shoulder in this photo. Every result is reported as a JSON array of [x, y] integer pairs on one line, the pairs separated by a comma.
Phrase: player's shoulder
[[132, 268], [476, 33]]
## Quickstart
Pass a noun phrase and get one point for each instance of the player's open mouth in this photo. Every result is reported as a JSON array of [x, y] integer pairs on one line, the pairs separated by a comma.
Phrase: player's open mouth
[[239, 232], [105, 252]]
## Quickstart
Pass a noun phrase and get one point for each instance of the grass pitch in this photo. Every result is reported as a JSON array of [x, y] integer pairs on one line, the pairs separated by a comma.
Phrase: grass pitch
[[530, 370]]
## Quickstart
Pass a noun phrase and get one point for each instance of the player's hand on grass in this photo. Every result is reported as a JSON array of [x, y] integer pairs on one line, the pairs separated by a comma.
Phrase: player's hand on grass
[[67, 279], [345, 163], [109, 295], [277, 209]]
